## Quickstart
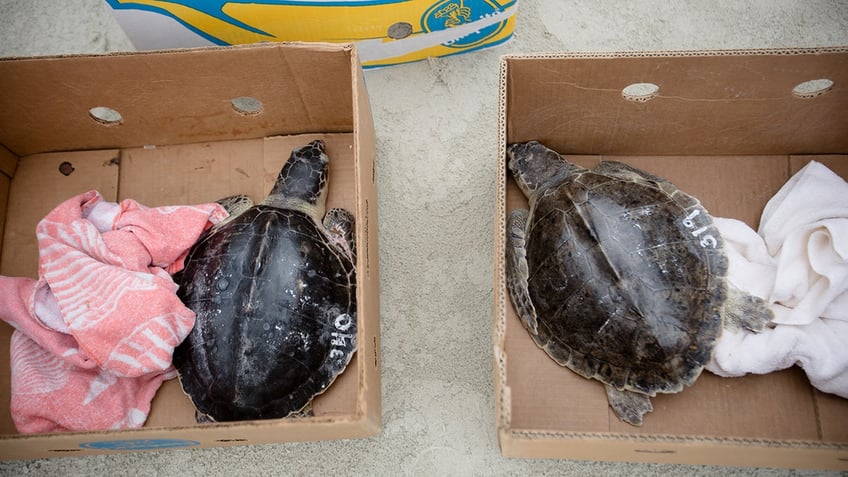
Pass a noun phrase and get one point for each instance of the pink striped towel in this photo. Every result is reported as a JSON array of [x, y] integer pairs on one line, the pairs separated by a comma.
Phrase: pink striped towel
[[95, 333]]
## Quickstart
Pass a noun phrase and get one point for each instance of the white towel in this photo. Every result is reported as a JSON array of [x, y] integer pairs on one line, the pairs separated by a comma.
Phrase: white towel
[[798, 262]]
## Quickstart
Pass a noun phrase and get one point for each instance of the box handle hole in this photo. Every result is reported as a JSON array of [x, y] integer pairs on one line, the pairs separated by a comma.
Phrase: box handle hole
[[399, 30], [812, 88], [247, 105], [66, 168], [106, 116], [640, 92]]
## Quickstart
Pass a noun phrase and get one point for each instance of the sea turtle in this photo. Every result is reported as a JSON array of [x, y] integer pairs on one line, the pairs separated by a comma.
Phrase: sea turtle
[[619, 276], [274, 290]]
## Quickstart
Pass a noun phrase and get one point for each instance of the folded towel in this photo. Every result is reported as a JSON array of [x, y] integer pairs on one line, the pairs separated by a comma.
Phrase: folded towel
[[95, 333], [798, 262]]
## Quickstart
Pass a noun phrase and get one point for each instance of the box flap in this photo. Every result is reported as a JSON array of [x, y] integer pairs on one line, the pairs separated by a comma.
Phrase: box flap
[[724, 103], [177, 97], [8, 162]]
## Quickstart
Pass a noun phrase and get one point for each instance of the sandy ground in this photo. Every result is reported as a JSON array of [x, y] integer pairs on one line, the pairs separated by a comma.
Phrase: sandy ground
[[436, 128]]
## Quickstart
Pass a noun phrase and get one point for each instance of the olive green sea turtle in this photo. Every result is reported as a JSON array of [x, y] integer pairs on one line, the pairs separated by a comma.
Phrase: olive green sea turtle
[[619, 276], [274, 290]]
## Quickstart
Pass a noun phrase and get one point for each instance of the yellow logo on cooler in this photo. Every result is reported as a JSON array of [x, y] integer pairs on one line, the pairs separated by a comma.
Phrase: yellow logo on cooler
[[454, 14]]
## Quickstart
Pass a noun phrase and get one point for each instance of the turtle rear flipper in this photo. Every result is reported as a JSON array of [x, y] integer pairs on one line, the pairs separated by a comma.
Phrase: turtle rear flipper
[[202, 418], [306, 411], [744, 311], [629, 406], [517, 271]]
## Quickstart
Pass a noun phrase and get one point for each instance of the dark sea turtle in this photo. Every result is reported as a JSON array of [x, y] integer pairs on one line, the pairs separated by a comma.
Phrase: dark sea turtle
[[274, 290], [619, 276]]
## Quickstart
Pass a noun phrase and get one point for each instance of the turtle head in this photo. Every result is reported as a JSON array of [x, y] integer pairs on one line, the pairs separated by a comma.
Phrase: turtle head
[[303, 178], [533, 166]]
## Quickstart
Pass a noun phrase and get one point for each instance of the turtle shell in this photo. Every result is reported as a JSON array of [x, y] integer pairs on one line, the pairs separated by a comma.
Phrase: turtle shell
[[276, 315], [626, 274]]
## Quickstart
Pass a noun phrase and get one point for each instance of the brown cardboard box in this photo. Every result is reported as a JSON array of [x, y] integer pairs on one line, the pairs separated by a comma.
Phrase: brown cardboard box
[[181, 141], [727, 128]]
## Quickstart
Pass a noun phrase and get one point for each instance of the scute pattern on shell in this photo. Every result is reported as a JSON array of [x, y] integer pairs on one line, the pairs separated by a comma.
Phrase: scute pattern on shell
[[275, 298], [618, 288], [624, 287]]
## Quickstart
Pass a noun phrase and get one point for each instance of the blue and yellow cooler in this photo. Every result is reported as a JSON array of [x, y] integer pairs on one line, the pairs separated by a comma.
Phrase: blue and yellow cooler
[[386, 32]]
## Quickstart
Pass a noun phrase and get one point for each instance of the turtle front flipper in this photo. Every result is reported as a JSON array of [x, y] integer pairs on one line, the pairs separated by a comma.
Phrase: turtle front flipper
[[340, 225], [628, 172], [628, 406], [517, 271], [235, 205]]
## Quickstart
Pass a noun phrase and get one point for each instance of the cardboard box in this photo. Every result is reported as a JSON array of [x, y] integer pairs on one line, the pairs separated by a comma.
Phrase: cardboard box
[[727, 128], [386, 32], [182, 141]]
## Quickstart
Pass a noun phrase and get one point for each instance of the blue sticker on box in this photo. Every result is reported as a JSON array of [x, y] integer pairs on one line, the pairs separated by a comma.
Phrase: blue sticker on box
[[139, 444]]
